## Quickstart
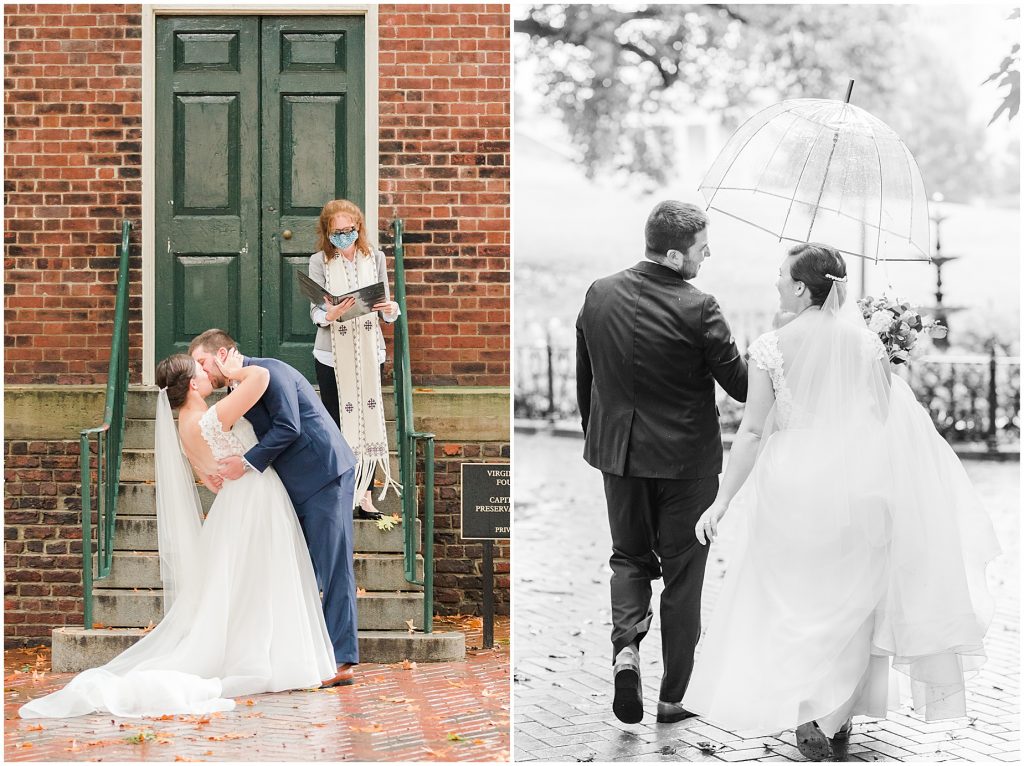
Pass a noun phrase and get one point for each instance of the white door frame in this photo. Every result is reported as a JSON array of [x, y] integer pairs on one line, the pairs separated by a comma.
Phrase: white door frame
[[371, 131]]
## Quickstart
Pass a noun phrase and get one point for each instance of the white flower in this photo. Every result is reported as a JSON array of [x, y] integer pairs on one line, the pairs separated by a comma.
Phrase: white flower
[[880, 321]]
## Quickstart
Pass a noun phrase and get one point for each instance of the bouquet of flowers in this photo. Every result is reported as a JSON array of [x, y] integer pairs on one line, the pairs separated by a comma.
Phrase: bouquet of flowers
[[899, 325]]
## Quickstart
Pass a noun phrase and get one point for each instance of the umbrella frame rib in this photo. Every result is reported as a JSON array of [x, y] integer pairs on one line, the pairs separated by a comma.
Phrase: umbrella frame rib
[[881, 192], [781, 238], [826, 209], [740, 150], [800, 178]]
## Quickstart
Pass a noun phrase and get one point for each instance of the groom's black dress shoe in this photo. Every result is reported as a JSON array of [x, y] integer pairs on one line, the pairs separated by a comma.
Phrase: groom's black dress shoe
[[812, 742], [371, 515], [672, 712], [628, 704]]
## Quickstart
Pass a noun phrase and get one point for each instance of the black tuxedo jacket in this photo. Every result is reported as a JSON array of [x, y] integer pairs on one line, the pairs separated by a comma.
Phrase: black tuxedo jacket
[[649, 348]]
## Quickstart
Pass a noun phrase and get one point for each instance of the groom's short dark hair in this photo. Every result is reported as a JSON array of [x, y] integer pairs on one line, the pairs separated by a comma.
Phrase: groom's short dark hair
[[673, 225], [211, 340]]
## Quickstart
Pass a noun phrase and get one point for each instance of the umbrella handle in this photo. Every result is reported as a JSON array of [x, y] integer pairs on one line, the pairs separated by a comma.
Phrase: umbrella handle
[[849, 91]]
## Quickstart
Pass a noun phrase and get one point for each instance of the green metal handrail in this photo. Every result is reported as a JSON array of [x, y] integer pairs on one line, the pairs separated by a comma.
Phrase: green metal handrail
[[109, 438], [407, 441]]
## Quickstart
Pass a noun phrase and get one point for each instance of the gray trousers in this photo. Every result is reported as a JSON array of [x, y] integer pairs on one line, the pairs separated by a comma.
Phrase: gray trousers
[[652, 524]]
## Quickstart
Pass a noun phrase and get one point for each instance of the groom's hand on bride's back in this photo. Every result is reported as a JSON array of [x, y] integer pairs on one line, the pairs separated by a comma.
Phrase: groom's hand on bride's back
[[231, 467]]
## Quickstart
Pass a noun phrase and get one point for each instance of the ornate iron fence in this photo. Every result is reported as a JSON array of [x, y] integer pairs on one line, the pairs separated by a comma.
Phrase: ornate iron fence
[[970, 398]]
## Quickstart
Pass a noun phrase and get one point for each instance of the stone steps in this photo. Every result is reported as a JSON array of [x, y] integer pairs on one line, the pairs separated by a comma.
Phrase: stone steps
[[139, 499], [137, 465], [374, 572], [142, 402], [139, 533], [138, 607], [140, 433], [76, 649]]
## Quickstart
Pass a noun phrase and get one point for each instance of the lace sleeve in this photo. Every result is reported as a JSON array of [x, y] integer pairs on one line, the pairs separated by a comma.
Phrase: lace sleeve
[[763, 352], [221, 443]]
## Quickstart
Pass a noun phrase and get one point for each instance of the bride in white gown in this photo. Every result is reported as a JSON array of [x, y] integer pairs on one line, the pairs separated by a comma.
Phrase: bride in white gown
[[865, 547], [242, 607]]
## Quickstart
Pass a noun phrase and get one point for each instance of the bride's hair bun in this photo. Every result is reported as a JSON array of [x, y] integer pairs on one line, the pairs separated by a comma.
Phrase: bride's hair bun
[[175, 373], [819, 266]]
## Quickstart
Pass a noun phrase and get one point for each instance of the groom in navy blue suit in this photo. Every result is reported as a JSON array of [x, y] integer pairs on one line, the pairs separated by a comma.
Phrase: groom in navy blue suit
[[298, 437]]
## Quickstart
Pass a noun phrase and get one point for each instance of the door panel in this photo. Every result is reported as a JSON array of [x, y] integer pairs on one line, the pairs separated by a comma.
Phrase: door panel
[[259, 123], [207, 180], [313, 151]]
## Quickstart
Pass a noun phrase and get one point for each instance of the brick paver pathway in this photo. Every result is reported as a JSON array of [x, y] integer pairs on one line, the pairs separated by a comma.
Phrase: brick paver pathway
[[562, 667], [455, 711]]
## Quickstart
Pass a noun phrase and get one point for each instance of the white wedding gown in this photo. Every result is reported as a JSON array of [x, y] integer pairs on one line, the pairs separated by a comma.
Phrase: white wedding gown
[[251, 622], [864, 550]]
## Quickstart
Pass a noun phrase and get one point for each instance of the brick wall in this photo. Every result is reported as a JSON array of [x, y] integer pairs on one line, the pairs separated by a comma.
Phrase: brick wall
[[42, 540], [72, 172], [458, 575], [444, 155]]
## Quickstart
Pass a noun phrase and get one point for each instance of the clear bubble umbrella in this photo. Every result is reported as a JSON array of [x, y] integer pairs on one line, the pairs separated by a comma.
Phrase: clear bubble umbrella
[[820, 170]]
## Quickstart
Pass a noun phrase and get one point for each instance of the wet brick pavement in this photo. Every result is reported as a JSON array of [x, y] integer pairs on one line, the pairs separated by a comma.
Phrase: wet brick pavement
[[562, 666], [455, 711]]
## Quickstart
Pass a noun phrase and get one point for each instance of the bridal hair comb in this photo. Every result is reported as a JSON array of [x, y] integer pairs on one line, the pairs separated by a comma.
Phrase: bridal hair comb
[[834, 278]]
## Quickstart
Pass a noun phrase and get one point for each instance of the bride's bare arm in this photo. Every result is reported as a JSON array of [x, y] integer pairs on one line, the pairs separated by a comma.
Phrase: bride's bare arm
[[253, 382], [760, 398]]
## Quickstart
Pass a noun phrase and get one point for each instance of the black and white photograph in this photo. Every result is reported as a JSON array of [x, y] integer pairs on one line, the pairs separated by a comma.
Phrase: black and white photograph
[[766, 367]]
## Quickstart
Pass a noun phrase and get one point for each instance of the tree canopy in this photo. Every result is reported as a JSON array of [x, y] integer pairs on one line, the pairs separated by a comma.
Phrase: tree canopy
[[620, 79]]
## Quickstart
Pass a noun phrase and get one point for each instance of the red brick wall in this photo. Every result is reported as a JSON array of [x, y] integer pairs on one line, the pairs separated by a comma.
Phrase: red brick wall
[[444, 155], [42, 540], [72, 169], [72, 172]]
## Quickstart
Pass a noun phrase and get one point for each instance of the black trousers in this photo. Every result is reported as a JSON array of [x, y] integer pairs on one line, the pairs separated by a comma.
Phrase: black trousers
[[652, 524], [328, 383]]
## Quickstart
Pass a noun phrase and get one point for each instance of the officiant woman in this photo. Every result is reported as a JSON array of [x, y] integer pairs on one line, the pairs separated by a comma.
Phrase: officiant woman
[[348, 355]]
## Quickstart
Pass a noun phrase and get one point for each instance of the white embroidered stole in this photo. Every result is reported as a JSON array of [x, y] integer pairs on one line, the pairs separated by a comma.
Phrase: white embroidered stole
[[356, 369]]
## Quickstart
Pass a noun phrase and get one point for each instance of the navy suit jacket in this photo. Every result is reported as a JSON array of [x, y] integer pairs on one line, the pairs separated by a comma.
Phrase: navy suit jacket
[[297, 435], [649, 348]]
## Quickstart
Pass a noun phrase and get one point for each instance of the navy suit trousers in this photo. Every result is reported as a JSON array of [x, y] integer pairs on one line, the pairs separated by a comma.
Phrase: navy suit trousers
[[326, 520]]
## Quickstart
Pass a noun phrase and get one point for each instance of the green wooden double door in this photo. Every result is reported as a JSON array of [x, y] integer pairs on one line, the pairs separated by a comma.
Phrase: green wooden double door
[[259, 122]]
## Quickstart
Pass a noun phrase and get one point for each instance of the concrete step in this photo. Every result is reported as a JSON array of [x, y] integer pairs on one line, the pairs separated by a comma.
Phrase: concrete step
[[385, 571], [374, 572], [132, 569], [77, 649], [139, 499], [136, 608], [142, 402], [138, 533], [137, 465], [140, 433]]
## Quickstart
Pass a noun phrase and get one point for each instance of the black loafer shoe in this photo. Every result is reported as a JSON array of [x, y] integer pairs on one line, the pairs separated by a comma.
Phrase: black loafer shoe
[[672, 712], [812, 742], [628, 704]]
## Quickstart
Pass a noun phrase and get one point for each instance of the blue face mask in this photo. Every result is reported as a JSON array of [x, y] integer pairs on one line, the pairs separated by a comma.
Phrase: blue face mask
[[341, 241]]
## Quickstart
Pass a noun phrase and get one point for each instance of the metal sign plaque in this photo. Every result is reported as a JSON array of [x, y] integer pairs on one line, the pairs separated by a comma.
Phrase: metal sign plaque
[[485, 501]]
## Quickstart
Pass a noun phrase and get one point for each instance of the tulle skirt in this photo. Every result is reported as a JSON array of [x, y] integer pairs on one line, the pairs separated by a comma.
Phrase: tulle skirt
[[254, 624], [858, 558]]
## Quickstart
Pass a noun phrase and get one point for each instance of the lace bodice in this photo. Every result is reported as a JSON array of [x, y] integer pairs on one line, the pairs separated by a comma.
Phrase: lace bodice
[[766, 354], [239, 440]]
